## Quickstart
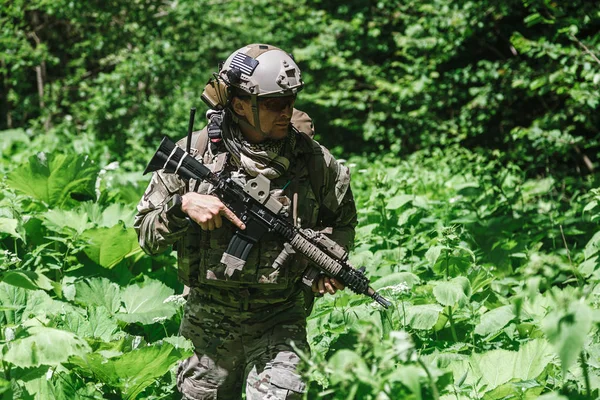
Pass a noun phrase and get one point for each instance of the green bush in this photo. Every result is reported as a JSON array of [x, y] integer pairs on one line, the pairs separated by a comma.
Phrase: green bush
[[521, 76], [474, 130]]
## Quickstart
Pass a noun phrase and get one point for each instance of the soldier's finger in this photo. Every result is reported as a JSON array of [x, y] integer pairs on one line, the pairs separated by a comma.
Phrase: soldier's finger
[[203, 226], [218, 221], [227, 213], [338, 285], [211, 224], [329, 287], [321, 285], [315, 286]]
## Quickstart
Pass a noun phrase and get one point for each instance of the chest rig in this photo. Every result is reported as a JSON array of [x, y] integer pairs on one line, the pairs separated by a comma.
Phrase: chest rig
[[200, 253]]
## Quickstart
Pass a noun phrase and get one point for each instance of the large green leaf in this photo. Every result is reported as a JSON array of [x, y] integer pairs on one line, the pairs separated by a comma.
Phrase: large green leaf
[[9, 226], [40, 305], [59, 220], [495, 367], [145, 303], [393, 280], [454, 264], [491, 369], [347, 366], [108, 246], [453, 292], [537, 187], [13, 300], [61, 386], [97, 324], [45, 346], [423, 316], [115, 213], [494, 320], [54, 178], [355, 318], [37, 384], [98, 292], [179, 342], [592, 247], [10, 137], [532, 358], [4, 387], [410, 376], [26, 279], [132, 372], [434, 253], [567, 331], [109, 216], [398, 201], [526, 390]]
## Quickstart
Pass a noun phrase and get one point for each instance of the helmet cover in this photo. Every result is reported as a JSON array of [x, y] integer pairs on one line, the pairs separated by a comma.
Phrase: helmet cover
[[262, 70]]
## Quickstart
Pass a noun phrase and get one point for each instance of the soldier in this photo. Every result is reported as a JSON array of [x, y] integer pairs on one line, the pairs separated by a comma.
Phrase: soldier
[[242, 321]]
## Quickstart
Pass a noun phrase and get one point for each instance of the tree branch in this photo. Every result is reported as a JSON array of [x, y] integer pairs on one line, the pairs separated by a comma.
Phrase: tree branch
[[583, 46], [39, 70], [586, 160]]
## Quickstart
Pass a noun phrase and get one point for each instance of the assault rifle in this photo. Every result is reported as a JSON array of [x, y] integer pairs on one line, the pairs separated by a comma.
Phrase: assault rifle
[[261, 214]]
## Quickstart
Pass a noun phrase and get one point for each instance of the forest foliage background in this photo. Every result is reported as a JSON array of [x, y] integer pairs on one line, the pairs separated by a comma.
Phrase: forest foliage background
[[471, 128]]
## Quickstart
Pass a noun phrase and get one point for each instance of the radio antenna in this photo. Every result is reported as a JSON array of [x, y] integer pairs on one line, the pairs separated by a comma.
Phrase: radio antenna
[[188, 147]]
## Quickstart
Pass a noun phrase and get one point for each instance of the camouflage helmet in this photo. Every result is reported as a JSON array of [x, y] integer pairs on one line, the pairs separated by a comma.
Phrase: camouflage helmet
[[262, 70]]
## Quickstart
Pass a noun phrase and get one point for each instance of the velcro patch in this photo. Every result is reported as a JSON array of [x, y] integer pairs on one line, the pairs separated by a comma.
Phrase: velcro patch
[[244, 63]]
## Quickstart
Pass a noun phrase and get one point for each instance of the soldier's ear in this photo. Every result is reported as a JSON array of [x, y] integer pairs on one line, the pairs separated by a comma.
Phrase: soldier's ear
[[238, 106]]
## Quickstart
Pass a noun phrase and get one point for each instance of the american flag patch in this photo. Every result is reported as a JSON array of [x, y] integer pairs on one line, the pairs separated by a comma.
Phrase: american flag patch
[[244, 63]]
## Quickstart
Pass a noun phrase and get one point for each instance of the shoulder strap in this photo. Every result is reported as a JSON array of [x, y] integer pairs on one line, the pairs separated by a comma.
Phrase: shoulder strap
[[202, 141], [315, 164], [303, 123]]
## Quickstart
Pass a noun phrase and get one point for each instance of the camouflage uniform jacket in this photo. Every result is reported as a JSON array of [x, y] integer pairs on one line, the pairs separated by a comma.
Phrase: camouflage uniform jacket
[[324, 201]]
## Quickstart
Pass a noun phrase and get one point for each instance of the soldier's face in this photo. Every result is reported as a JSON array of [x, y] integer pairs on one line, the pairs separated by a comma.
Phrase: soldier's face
[[275, 114]]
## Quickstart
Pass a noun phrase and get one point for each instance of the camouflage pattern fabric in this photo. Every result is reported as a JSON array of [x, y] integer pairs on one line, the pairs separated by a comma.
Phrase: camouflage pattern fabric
[[259, 308], [234, 345], [326, 203]]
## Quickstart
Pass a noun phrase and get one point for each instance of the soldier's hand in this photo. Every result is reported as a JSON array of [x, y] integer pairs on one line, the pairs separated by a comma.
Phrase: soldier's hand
[[324, 283], [207, 211]]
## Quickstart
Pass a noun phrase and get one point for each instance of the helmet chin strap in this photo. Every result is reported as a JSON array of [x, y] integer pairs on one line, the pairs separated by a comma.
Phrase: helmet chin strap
[[254, 100], [244, 122]]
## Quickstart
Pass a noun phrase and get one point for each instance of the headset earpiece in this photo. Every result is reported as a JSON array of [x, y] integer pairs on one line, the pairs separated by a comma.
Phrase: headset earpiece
[[217, 93]]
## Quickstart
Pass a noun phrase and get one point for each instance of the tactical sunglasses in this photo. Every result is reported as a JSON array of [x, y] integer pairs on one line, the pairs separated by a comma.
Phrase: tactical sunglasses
[[277, 104]]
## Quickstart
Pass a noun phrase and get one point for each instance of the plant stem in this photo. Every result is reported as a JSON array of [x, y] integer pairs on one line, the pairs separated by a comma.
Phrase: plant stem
[[447, 266], [586, 373], [353, 390], [403, 315], [6, 368], [575, 272], [472, 318], [385, 219], [434, 390], [452, 327], [5, 365]]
